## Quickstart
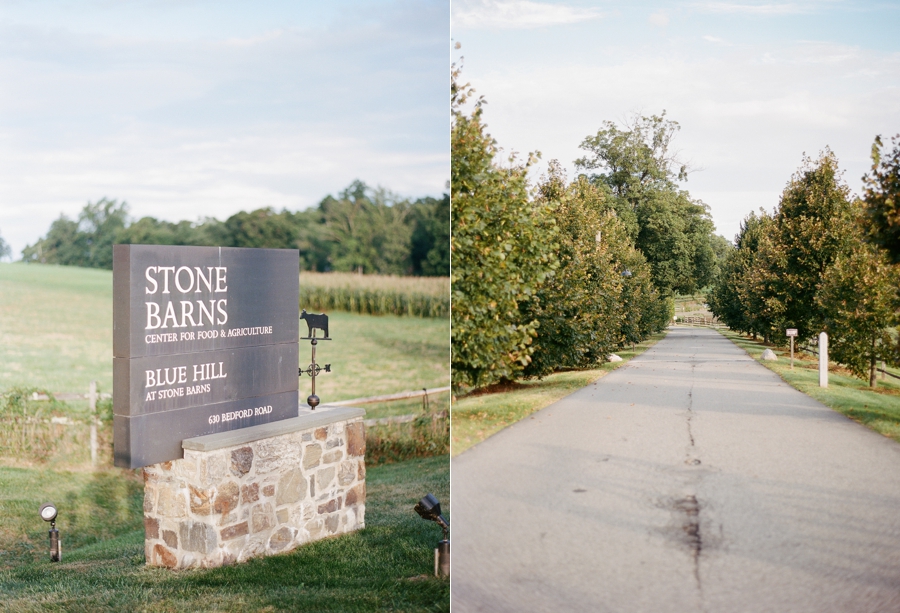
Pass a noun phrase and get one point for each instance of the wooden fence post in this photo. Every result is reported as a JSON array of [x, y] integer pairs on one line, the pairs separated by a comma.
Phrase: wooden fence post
[[92, 403]]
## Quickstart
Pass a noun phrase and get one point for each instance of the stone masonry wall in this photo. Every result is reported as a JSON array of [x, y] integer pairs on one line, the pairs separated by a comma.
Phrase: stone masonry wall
[[260, 498]]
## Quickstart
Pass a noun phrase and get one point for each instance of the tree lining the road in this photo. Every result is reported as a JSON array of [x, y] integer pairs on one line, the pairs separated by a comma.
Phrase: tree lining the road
[[559, 274], [809, 266]]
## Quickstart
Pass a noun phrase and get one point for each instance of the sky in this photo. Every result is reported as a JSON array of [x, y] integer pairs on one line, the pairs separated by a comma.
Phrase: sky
[[754, 85], [188, 109]]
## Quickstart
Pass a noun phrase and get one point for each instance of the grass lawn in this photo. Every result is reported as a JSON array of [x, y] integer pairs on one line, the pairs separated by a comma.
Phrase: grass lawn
[[386, 566], [477, 416], [56, 334], [55, 327], [879, 409]]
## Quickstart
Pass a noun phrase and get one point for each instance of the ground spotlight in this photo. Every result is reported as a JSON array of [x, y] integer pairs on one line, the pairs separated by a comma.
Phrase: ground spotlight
[[48, 512], [430, 508]]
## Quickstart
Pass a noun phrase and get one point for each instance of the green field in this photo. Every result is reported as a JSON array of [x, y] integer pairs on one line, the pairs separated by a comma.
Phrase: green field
[[56, 335], [388, 566]]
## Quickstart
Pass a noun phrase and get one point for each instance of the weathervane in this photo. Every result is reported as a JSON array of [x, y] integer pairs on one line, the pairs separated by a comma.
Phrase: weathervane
[[315, 321]]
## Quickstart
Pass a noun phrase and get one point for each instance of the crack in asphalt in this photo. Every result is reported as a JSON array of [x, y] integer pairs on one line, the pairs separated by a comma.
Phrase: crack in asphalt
[[688, 506]]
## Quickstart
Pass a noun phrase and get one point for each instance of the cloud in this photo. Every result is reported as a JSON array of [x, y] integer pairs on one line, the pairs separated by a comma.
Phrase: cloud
[[516, 14], [788, 8], [713, 39], [208, 124], [745, 120], [659, 19]]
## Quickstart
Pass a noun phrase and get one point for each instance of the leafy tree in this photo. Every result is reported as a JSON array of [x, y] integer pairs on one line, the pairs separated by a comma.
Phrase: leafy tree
[[732, 299], [721, 248], [501, 250], [368, 229], [262, 228], [813, 227], [5, 251], [642, 172], [860, 300], [151, 231], [86, 242], [578, 309], [674, 235], [430, 241], [882, 198], [635, 159]]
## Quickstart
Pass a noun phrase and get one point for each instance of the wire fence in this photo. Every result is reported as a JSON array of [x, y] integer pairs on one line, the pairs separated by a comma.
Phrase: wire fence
[[37, 427], [881, 369]]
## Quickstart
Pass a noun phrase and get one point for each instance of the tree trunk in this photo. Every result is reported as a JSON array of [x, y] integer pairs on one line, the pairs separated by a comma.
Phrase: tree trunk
[[873, 381]]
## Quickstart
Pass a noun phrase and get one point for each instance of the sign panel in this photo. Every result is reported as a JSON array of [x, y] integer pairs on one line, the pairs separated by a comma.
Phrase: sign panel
[[205, 340], [792, 331]]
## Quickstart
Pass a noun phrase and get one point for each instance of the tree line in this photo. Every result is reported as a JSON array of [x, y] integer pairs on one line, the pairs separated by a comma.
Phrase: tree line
[[559, 274], [361, 230], [823, 261]]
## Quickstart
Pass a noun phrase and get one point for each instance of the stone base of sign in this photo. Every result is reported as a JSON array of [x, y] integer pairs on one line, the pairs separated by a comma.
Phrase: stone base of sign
[[257, 491]]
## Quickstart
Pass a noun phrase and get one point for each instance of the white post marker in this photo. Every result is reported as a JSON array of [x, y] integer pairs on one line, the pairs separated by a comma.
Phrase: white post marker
[[823, 359], [792, 332]]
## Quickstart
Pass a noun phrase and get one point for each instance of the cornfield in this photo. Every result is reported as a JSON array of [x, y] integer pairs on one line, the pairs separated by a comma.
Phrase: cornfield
[[375, 294]]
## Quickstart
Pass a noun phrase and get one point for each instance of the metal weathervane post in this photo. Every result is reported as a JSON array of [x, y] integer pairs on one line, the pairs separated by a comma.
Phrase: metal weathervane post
[[315, 321]]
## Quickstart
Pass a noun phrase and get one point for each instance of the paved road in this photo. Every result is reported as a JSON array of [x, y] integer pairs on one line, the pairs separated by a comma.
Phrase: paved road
[[692, 479]]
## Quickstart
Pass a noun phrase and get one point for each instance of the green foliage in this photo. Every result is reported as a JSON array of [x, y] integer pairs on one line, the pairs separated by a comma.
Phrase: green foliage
[[431, 236], [601, 295], [859, 296], [721, 248], [635, 159], [577, 309], [150, 231], [369, 229], [731, 299], [428, 435], [882, 198], [5, 251], [86, 242], [813, 226], [29, 434], [674, 235], [667, 226], [809, 268], [502, 248], [362, 229]]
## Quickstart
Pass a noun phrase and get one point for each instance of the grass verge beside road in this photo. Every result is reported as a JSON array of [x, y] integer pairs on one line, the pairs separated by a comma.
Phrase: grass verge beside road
[[879, 409], [477, 416], [386, 566]]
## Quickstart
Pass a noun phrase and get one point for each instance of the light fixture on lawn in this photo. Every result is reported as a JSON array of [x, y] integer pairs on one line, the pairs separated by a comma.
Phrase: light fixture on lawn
[[48, 512], [430, 508]]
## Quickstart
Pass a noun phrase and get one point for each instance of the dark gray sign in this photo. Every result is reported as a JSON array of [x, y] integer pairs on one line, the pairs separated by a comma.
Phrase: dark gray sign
[[169, 300], [156, 437], [200, 335]]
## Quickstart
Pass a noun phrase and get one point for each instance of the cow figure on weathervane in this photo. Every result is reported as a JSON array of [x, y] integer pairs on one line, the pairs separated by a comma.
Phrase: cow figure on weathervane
[[315, 321]]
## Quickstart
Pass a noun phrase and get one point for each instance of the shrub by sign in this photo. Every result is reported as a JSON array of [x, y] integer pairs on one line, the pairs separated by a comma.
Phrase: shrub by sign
[[205, 340]]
